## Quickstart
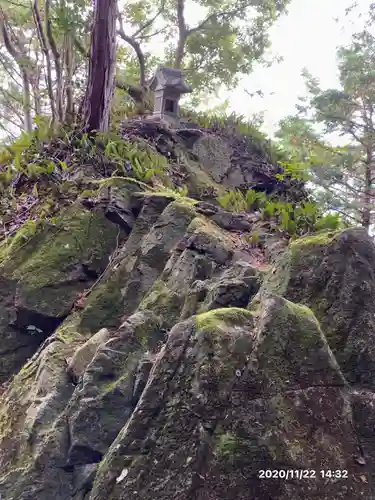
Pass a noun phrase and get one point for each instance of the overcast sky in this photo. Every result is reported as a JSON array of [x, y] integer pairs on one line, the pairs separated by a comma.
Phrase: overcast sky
[[307, 36]]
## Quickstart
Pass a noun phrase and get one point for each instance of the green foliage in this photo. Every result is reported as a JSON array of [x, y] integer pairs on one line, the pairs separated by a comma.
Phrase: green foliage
[[254, 238], [329, 221], [27, 155], [19, 156], [236, 201], [294, 170], [116, 180], [179, 194], [342, 175], [137, 158], [225, 41], [291, 218], [237, 125]]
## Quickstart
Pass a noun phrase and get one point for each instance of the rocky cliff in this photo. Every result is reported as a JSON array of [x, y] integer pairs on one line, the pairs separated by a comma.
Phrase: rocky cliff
[[148, 351]]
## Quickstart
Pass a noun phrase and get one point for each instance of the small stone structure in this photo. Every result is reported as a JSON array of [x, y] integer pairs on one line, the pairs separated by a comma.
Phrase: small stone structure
[[168, 85]]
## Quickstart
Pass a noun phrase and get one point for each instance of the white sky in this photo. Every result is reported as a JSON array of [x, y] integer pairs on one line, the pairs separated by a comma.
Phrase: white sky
[[306, 37]]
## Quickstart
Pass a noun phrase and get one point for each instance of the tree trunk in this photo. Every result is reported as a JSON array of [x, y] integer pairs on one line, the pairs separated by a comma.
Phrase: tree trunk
[[45, 51], [28, 125], [100, 85], [182, 34], [367, 201], [69, 63], [180, 52], [57, 61]]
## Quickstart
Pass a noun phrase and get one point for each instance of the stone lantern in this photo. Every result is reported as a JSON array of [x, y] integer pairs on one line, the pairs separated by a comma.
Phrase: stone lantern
[[168, 85]]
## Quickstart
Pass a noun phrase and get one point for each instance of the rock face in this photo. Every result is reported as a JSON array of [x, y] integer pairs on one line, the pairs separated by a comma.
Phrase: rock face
[[147, 353], [210, 160]]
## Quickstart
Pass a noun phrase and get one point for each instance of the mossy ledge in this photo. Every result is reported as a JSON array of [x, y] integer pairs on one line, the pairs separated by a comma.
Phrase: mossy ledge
[[218, 319]]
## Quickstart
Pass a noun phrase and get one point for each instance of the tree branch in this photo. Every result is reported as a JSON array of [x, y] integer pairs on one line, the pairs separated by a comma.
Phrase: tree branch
[[56, 57], [151, 21], [84, 52], [24, 68], [330, 207], [9, 73], [136, 93], [211, 17], [137, 49]]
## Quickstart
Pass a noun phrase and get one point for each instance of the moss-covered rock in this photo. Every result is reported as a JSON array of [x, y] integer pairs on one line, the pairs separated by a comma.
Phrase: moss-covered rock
[[219, 406], [163, 302], [106, 395], [161, 381], [333, 274], [44, 275]]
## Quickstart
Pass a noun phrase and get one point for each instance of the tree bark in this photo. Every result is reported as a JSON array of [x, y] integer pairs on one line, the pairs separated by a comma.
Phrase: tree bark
[[69, 65], [44, 47], [182, 34], [27, 102], [57, 61], [367, 198], [100, 85]]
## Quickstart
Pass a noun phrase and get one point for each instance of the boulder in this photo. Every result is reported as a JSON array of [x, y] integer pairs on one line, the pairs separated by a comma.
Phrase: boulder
[[333, 273]]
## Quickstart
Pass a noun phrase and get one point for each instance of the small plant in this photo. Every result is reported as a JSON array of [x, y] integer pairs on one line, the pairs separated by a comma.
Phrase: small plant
[[254, 238], [116, 180], [293, 170], [133, 157], [329, 221], [233, 201], [24, 234], [294, 219]]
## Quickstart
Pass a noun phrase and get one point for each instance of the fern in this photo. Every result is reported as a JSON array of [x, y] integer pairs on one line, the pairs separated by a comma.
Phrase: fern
[[115, 180], [329, 221]]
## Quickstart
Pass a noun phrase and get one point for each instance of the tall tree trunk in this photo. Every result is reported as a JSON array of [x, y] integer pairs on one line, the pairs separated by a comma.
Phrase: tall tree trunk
[[57, 61], [100, 85], [182, 34], [180, 52], [45, 50], [69, 69], [27, 101], [367, 199]]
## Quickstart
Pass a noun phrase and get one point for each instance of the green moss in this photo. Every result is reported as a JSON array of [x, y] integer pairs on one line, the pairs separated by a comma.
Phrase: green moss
[[68, 331], [145, 331], [294, 318], [14, 250], [226, 445], [104, 306], [182, 208], [164, 303], [199, 224], [277, 278], [212, 231], [80, 236], [320, 238], [233, 449], [108, 387], [198, 180], [218, 319]]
